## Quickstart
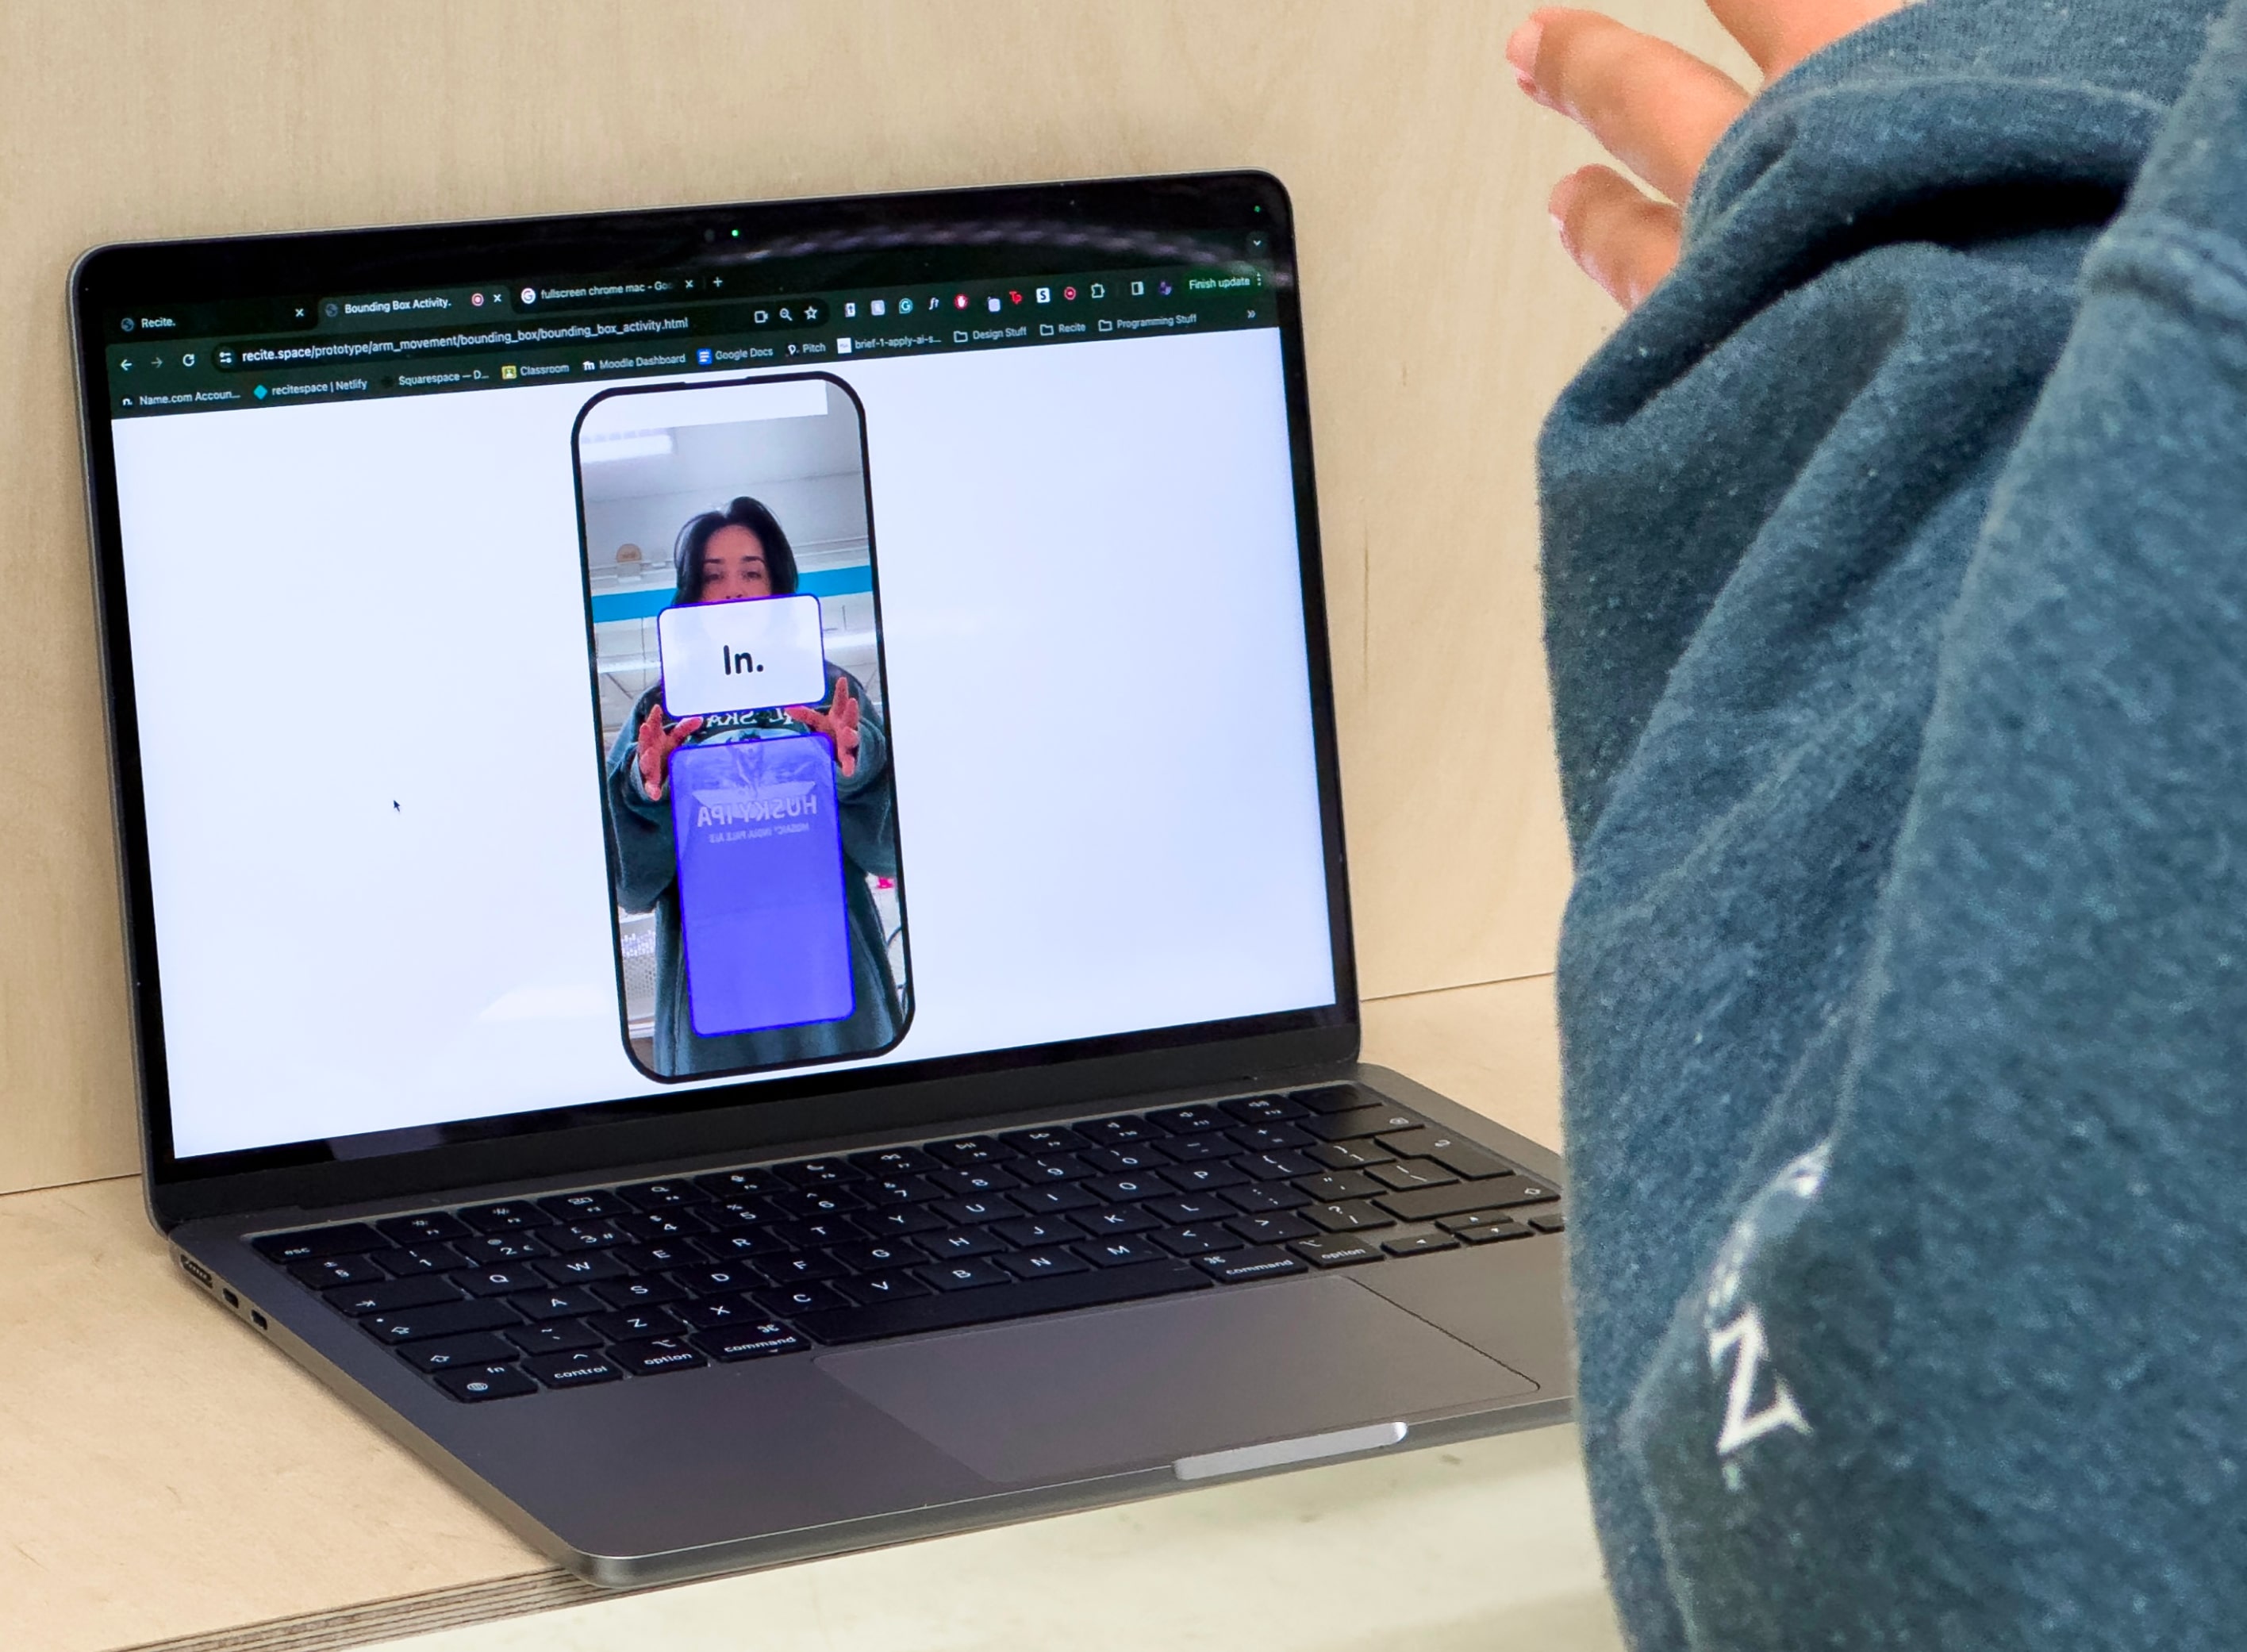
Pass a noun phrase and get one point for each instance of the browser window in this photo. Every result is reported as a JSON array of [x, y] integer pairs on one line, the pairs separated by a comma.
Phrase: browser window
[[414, 591]]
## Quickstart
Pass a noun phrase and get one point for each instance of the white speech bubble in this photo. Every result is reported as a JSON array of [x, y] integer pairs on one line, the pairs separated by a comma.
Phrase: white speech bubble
[[742, 656]]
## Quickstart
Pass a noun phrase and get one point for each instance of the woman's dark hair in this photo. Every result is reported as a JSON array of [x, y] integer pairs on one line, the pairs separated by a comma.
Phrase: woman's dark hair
[[780, 555]]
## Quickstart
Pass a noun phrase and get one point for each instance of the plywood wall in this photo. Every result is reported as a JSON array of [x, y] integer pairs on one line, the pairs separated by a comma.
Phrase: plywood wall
[[1441, 319]]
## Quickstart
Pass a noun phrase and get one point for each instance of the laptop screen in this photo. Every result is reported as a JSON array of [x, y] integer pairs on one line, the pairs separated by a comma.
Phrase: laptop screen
[[555, 691]]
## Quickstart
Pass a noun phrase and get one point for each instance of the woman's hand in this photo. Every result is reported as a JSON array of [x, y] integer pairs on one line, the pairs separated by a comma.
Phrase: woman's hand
[[657, 742], [1659, 111], [839, 722]]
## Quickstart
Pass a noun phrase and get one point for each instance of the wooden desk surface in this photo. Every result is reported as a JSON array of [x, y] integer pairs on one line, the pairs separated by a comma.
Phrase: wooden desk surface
[[163, 1474]]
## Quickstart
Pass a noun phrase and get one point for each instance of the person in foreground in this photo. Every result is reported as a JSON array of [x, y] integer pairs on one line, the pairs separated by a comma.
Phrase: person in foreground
[[1896, 561]]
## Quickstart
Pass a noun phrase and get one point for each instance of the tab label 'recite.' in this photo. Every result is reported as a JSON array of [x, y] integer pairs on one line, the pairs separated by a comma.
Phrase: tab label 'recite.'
[[742, 656]]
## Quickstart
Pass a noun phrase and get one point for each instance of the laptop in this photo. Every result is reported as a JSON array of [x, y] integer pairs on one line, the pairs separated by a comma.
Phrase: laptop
[[733, 868]]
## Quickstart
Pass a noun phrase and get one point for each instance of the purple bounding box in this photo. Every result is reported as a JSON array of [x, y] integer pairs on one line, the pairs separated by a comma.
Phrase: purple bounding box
[[760, 891]]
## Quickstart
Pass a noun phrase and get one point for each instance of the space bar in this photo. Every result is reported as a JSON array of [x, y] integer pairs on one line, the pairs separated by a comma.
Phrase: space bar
[[955, 1308]]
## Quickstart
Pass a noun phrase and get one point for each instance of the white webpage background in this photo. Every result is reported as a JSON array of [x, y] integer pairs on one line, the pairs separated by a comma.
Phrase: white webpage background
[[367, 736]]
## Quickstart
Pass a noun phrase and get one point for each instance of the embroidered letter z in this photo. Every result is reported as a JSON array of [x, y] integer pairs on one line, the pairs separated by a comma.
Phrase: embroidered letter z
[[1742, 1425]]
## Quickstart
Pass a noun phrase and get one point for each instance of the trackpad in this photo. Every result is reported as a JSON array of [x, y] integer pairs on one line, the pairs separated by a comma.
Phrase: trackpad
[[1144, 1385]]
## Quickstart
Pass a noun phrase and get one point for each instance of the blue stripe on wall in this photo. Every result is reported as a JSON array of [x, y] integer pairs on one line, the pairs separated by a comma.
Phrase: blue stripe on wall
[[645, 604]]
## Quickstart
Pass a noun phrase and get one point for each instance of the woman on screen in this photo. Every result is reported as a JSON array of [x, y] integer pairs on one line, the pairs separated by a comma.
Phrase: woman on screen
[[733, 555]]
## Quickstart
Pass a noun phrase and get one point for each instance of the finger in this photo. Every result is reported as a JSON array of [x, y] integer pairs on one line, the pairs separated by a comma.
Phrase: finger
[[808, 717], [683, 731], [1655, 108], [1779, 34], [1617, 236]]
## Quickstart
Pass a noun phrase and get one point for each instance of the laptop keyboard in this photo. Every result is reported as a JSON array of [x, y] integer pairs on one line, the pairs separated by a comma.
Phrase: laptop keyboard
[[606, 1284]]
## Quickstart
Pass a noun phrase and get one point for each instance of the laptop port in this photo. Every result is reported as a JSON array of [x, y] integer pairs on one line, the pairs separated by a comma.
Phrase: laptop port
[[197, 1272], [232, 1300], [257, 1319]]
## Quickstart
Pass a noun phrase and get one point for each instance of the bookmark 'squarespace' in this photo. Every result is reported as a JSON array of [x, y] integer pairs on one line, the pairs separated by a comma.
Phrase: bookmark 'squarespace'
[[746, 766]]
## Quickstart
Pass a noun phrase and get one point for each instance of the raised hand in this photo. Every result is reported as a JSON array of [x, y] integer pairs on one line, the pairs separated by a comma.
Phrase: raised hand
[[656, 741], [1658, 110], [839, 722]]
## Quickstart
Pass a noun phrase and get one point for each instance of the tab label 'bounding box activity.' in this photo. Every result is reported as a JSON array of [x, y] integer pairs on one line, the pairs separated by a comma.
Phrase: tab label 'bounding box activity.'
[[742, 656]]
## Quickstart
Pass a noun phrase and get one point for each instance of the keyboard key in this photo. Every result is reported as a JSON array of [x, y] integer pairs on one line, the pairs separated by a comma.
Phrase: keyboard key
[[1037, 1264], [958, 1243], [445, 1354], [1454, 1153], [429, 1228], [389, 1296], [822, 1235], [970, 1149], [1128, 1219], [1122, 1161], [1050, 1168], [1045, 1201], [1272, 1138], [1121, 1252], [443, 1318], [821, 1172], [514, 1217], [715, 1313], [1494, 1233], [477, 1383], [1262, 1263], [1197, 1240], [1350, 1216], [503, 1281], [1430, 1202], [656, 1355], [1178, 1211], [1336, 1249], [893, 1163], [971, 1212], [1462, 1223], [964, 1276], [1122, 1190], [729, 1215], [555, 1336], [1349, 1156], [724, 1279], [751, 1184], [799, 1268], [952, 1308], [502, 1248], [337, 1270], [882, 1288], [1271, 1230], [1335, 1098], [1030, 1233], [802, 1299], [586, 1267], [657, 1259], [1549, 1222], [1188, 1149], [900, 1222], [1335, 1186], [877, 1258], [594, 1207], [814, 1203], [662, 1196], [630, 1324], [1276, 1166], [744, 1246], [1364, 1120], [1407, 1173], [1419, 1244], [1190, 1120], [555, 1302], [750, 1342], [1268, 1196], [580, 1369], [1045, 1141], [654, 1227], [1204, 1177], [648, 1291], [583, 1236], [352, 1239], [898, 1190], [973, 1179], [419, 1259], [1264, 1109], [1120, 1132]]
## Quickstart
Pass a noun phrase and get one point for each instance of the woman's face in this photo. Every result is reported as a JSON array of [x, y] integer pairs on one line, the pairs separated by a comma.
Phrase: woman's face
[[733, 566]]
